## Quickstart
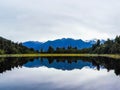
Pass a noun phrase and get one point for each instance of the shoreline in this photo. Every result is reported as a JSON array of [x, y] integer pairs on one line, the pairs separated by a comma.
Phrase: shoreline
[[116, 56]]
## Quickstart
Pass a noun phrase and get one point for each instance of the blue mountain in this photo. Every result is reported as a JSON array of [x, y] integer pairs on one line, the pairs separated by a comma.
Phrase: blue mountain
[[64, 42], [33, 44]]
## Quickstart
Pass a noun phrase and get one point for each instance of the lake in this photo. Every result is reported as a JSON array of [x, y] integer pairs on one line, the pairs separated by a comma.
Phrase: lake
[[60, 73]]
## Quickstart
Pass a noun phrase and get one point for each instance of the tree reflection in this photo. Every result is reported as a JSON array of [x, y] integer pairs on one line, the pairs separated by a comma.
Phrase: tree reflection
[[56, 62], [11, 63]]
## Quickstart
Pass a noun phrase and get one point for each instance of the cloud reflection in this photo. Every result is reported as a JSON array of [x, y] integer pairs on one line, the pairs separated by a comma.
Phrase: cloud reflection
[[44, 78]]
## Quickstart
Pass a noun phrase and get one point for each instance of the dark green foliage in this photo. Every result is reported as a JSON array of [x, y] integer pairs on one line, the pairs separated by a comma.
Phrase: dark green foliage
[[96, 45], [59, 50], [109, 47], [62, 50], [50, 49], [9, 47]]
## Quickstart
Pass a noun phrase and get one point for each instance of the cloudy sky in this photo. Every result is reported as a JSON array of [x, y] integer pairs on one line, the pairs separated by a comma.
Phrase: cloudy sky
[[42, 20]]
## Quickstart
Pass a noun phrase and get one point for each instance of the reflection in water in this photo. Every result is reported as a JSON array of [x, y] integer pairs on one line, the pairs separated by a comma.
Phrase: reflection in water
[[10, 63], [64, 63], [59, 73], [58, 64]]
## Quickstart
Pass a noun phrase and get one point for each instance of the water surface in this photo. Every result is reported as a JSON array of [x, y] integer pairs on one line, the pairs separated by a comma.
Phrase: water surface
[[60, 73]]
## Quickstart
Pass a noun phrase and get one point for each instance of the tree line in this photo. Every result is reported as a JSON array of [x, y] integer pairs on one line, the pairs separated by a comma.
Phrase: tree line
[[108, 47], [9, 47]]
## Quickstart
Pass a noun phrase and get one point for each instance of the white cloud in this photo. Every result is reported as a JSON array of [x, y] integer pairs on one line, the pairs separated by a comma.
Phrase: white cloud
[[22, 20]]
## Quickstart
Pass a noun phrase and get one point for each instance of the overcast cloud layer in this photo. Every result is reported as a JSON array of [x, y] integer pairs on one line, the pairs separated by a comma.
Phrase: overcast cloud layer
[[42, 20]]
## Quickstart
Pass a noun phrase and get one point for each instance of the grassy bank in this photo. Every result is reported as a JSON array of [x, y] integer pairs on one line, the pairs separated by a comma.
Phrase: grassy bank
[[117, 56]]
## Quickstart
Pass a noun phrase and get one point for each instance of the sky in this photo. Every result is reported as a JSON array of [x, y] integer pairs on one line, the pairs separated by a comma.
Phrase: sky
[[42, 20]]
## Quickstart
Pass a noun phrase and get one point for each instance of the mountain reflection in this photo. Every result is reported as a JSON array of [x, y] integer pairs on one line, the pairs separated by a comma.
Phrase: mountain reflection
[[63, 63]]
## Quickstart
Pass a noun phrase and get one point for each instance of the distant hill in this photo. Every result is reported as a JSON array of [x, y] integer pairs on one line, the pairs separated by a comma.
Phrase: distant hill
[[64, 42], [33, 44]]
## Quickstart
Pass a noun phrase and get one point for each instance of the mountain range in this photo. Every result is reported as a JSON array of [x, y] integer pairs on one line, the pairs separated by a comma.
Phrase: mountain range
[[64, 42]]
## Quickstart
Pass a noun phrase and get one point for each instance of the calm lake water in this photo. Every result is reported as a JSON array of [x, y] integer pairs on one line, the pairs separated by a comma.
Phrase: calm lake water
[[60, 73]]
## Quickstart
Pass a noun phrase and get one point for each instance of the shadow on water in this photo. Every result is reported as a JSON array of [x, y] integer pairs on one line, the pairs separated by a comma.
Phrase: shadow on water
[[63, 63]]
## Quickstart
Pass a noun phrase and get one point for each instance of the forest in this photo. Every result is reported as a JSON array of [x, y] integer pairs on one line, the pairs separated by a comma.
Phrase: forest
[[9, 47]]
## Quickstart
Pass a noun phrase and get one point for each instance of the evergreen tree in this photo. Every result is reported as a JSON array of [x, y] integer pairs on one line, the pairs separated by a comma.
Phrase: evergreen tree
[[50, 49]]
